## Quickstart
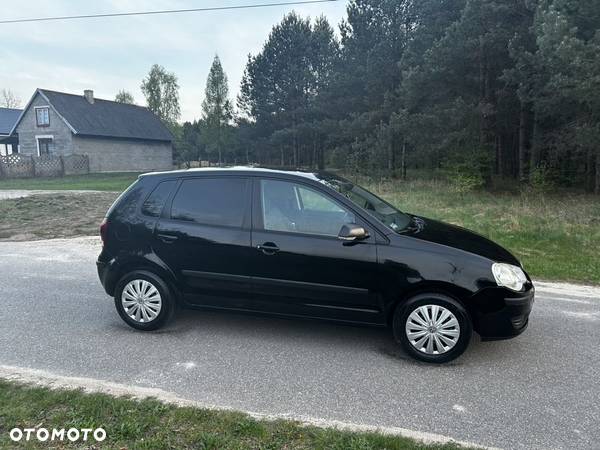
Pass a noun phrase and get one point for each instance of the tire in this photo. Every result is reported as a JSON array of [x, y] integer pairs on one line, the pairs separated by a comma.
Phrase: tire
[[449, 339], [158, 301]]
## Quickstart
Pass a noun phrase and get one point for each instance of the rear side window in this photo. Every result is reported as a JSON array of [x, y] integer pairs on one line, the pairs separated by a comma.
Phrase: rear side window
[[124, 201], [211, 201], [155, 202]]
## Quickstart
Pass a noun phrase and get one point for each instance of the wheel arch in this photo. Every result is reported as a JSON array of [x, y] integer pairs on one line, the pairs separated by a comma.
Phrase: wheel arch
[[461, 295], [142, 263]]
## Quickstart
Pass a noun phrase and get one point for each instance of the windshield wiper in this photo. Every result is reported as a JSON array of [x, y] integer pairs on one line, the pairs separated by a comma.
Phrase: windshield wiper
[[415, 224]]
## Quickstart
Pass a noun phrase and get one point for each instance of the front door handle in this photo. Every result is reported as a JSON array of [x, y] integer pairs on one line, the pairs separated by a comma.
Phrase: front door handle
[[268, 248], [167, 238]]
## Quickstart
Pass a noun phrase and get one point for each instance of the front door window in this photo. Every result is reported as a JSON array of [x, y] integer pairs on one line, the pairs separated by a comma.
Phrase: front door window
[[297, 208]]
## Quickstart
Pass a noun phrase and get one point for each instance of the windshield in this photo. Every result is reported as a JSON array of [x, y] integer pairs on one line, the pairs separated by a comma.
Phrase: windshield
[[382, 210]]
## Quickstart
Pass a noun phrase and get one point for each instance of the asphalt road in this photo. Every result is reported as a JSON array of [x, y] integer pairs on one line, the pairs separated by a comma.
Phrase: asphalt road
[[540, 390]]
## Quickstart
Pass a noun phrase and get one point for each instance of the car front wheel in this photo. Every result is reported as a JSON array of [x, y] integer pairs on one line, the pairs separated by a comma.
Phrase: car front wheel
[[432, 327], [143, 300]]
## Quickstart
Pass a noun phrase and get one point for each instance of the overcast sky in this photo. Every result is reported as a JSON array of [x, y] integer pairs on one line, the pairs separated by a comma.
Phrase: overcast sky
[[109, 54]]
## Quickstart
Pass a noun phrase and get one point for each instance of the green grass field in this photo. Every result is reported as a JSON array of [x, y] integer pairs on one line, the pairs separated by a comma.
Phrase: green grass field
[[150, 424], [91, 182], [556, 235]]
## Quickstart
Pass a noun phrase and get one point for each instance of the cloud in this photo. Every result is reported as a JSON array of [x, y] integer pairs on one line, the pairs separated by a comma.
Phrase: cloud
[[116, 53]]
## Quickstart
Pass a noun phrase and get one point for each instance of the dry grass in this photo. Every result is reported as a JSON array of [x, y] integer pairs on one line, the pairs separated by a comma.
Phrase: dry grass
[[53, 216]]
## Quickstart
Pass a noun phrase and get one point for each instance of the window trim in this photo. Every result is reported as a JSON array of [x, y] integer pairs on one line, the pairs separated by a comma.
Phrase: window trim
[[37, 123], [42, 136], [257, 210]]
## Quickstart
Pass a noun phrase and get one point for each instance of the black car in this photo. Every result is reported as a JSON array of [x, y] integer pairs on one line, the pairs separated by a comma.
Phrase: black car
[[306, 244]]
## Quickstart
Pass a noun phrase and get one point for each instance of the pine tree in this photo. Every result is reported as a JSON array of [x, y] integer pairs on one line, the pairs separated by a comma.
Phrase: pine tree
[[217, 111], [282, 83], [489, 88]]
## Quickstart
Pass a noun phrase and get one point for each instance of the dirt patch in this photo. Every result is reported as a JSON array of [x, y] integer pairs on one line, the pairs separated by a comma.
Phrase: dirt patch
[[48, 216]]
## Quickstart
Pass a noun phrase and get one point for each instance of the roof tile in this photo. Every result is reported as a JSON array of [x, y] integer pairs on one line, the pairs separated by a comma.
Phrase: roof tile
[[8, 118], [106, 118]]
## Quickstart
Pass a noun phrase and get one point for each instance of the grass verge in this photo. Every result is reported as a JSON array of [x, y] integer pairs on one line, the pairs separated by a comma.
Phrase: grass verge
[[151, 424], [90, 182]]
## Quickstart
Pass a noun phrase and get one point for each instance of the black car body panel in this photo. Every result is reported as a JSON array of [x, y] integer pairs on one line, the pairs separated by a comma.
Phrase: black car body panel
[[460, 238], [249, 268]]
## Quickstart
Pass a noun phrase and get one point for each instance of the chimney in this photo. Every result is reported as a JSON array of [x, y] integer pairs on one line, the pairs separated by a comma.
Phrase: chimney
[[89, 96]]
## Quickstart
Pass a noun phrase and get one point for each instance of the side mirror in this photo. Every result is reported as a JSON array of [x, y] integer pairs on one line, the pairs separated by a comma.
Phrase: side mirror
[[352, 232]]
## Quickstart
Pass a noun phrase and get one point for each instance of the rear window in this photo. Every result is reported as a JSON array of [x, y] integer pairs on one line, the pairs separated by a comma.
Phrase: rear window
[[155, 202], [211, 201]]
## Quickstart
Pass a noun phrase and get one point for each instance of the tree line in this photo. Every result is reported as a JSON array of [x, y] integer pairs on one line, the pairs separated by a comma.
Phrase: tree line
[[482, 89]]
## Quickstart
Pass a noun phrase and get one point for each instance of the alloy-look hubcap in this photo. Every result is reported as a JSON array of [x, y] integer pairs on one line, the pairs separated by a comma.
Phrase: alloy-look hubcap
[[432, 329], [141, 301]]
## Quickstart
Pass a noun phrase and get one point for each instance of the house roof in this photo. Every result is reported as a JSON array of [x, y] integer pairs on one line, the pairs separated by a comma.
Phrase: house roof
[[105, 118], [8, 119]]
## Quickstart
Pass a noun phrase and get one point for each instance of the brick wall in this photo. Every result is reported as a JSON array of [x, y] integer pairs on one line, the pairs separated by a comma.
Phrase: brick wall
[[28, 130], [116, 155]]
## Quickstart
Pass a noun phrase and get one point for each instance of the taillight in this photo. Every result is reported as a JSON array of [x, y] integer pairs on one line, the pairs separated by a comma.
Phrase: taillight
[[104, 230]]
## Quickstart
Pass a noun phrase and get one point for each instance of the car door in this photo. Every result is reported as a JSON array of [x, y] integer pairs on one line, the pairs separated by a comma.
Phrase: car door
[[300, 266], [204, 237]]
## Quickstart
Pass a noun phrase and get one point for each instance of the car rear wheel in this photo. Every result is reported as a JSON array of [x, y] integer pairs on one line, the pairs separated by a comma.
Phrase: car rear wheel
[[432, 327], [143, 300]]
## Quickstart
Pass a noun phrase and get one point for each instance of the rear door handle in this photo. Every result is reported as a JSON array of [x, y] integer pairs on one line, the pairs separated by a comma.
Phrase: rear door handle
[[167, 238], [268, 248]]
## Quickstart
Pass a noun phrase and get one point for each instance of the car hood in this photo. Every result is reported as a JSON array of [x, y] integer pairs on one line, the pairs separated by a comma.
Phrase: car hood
[[453, 236]]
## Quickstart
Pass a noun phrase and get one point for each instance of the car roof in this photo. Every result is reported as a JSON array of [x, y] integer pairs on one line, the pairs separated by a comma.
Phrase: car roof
[[246, 170]]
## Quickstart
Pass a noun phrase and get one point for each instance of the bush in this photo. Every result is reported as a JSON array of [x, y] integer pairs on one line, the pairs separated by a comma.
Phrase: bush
[[465, 180], [467, 169], [543, 178]]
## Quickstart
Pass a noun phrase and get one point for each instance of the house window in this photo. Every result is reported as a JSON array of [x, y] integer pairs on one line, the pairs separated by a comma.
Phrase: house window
[[45, 146], [42, 116]]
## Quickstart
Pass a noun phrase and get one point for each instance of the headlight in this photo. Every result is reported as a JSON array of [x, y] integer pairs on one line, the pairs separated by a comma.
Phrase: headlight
[[509, 276]]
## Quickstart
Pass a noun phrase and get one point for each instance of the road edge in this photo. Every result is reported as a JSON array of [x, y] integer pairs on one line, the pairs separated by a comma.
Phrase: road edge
[[37, 377]]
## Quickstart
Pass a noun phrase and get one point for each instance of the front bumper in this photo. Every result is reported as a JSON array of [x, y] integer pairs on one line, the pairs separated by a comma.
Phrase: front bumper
[[499, 313]]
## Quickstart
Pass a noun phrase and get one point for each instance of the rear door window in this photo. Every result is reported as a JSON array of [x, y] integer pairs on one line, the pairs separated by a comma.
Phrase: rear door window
[[155, 202], [211, 201]]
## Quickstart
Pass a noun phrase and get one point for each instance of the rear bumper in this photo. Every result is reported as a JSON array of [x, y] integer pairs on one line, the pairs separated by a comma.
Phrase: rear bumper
[[500, 313], [105, 274], [102, 271]]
